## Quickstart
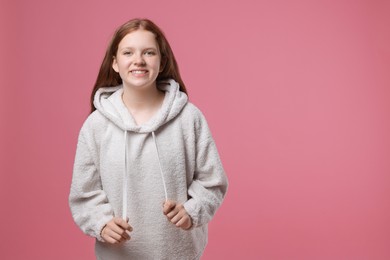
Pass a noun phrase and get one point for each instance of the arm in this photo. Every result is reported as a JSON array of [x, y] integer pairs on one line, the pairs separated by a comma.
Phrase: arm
[[87, 200], [210, 183]]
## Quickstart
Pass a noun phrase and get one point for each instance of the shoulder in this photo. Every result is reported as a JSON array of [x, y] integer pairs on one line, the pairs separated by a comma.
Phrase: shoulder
[[94, 124], [194, 120], [95, 119], [193, 113]]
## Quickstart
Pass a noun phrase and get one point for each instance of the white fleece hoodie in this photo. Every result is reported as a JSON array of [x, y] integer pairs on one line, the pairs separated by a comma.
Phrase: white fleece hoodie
[[122, 170]]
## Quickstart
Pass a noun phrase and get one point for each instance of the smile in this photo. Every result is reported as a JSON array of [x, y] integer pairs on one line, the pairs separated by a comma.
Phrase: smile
[[139, 72]]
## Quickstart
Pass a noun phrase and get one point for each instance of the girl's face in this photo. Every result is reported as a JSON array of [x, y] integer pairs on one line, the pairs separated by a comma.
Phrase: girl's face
[[138, 60]]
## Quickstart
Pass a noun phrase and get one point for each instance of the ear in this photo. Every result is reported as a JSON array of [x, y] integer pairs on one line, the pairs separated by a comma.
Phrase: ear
[[115, 64]]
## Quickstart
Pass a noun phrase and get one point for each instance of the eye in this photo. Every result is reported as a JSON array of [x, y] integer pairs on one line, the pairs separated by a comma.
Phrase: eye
[[127, 53], [150, 53]]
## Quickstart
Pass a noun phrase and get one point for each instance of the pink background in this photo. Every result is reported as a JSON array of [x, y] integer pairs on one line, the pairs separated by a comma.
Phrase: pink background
[[297, 94]]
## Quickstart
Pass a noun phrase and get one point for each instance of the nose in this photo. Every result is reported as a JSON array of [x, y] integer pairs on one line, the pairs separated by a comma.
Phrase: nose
[[139, 60]]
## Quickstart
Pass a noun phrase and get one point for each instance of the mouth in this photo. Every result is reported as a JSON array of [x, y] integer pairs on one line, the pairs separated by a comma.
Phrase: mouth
[[139, 72]]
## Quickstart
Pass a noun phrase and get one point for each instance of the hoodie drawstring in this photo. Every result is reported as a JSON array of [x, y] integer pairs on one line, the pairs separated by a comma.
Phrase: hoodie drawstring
[[125, 177], [124, 183], [159, 163]]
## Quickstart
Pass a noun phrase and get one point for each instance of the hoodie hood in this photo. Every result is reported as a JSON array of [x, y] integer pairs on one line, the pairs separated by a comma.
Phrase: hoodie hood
[[108, 101]]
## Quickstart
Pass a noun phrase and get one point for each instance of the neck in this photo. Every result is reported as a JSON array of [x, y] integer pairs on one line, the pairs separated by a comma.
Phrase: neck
[[142, 99]]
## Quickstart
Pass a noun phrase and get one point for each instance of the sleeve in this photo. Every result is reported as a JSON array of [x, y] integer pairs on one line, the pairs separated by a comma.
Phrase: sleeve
[[210, 183], [87, 200]]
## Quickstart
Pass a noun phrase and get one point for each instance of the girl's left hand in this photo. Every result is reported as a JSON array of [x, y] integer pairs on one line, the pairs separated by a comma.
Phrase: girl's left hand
[[177, 214]]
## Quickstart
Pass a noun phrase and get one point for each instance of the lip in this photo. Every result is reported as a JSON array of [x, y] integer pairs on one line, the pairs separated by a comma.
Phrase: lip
[[138, 72], [145, 70]]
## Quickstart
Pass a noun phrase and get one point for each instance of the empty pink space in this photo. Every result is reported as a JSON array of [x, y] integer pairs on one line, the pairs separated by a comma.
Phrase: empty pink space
[[296, 94]]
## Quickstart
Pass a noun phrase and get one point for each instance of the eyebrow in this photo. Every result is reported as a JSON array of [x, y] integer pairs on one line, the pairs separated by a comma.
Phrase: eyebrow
[[148, 48]]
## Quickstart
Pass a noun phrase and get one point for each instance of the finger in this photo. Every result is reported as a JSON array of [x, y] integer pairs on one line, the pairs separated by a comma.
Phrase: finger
[[123, 224], [185, 223], [120, 221], [128, 237], [168, 206], [113, 235], [182, 222], [110, 240], [129, 228], [114, 227], [125, 235], [117, 232], [177, 217], [173, 212], [126, 226]]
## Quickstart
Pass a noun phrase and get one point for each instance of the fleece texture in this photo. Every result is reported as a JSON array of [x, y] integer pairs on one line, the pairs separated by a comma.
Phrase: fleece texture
[[189, 160]]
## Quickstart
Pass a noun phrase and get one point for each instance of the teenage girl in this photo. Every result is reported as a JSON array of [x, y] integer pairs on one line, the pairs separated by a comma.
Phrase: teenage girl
[[147, 177]]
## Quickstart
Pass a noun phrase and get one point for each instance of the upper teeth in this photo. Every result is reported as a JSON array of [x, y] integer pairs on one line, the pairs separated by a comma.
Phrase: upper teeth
[[138, 71]]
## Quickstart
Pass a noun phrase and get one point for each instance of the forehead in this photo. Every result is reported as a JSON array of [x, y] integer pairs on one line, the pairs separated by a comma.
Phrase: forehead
[[139, 39]]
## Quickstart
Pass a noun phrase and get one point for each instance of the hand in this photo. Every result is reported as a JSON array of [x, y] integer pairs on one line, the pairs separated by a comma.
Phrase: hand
[[177, 214], [115, 231]]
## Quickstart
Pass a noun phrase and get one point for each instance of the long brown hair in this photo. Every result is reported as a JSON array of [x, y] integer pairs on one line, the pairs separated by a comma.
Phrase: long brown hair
[[107, 77]]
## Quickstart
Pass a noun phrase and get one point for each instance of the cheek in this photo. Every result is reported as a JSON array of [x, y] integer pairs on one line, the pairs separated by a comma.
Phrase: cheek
[[123, 64], [157, 64]]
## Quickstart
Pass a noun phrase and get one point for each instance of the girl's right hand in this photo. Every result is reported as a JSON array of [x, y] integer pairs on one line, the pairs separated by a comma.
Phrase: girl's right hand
[[115, 231]]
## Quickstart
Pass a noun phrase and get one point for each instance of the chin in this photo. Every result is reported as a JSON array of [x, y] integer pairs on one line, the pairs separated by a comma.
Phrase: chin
[[141, 85]]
